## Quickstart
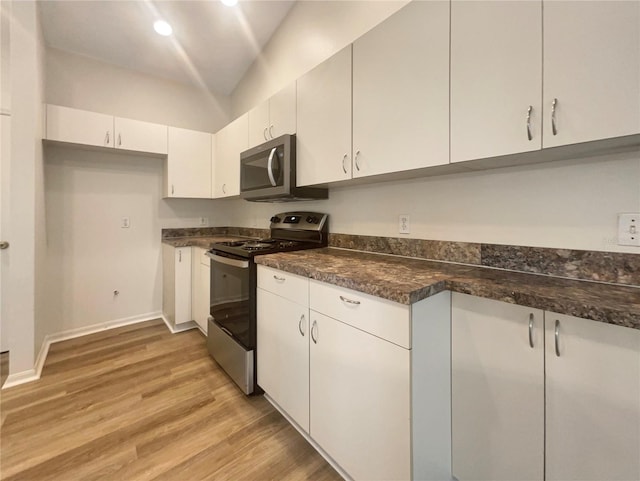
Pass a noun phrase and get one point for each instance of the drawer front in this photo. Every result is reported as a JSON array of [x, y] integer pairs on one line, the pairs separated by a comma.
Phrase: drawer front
[[285, 284], [380, 317]]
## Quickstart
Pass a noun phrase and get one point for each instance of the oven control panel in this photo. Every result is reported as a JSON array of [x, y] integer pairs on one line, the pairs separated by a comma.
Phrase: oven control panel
[[312, 221]]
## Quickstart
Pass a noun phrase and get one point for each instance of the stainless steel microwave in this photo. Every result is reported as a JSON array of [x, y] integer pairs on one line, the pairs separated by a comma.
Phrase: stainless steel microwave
[[268, 173]]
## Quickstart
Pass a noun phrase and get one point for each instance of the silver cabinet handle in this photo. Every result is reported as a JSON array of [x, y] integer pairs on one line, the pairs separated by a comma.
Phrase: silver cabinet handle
[[106, 138], [356, 159], [224, 188], [314, 327], [557, 337], [529, 136], [300, 325], [531, 331], [179, 256], [271, 131], [270, 167], [281, 279], [264, 134], [349, 301], [4, 245], [172, 189], [344, 158], [554, 129], [119, 140]]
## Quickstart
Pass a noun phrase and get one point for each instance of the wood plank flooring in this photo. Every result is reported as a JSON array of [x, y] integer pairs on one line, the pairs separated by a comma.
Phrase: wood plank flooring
[[140, 403]]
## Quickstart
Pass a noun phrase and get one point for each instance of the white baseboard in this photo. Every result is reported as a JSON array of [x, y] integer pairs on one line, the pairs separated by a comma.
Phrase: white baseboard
[[185, 326], [34, 374]]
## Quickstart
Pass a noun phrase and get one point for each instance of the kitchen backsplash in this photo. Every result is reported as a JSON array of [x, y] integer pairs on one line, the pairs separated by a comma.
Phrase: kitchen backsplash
[[610, 267]]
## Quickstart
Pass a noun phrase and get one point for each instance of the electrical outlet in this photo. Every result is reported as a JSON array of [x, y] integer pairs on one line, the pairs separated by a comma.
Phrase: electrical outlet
[[124, 223], [203, 221], [404, 226], [629, 229]]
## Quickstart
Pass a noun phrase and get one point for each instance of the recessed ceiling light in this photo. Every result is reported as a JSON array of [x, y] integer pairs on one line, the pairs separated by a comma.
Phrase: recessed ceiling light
[[230, 3], [162, 27]]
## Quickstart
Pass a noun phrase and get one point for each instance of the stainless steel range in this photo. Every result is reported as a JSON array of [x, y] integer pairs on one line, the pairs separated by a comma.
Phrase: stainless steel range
[[231, 334]]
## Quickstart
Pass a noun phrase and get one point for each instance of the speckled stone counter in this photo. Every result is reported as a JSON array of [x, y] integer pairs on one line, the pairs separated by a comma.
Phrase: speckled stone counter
[[204, 241], [408, 280]]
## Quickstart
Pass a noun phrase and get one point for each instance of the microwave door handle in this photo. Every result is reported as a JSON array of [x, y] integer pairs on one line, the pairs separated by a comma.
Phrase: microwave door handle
[[270, 167]]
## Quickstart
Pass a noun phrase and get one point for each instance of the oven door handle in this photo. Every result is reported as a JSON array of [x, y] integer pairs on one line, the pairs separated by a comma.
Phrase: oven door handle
[[270, 167], [228, 261]]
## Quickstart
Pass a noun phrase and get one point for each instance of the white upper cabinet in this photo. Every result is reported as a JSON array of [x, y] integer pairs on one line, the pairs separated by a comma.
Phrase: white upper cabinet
[[591, 70], [140, 136], [230, 142], [592, 400], [324, 121], [401, 91], [496, 78], [188, 172], [274, 117], [64, 124]]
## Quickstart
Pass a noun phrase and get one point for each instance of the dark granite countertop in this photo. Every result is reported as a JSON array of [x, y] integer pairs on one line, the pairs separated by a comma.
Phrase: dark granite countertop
[[408, 280], [200, 241]]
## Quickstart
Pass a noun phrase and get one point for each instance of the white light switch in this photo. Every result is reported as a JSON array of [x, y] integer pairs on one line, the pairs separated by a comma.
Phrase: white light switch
[[404, 226], [124, 223], [629, 229]]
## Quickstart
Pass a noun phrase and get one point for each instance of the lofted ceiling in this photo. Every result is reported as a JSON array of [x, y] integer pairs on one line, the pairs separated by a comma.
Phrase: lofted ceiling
[[212, 44]]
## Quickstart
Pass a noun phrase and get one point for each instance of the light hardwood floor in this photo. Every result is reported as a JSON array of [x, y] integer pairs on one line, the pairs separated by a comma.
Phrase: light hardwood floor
[[140, 403]]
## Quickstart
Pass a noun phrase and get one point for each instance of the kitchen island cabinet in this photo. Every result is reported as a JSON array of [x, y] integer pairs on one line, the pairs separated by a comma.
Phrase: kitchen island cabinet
[[366, 379], [557, 402]]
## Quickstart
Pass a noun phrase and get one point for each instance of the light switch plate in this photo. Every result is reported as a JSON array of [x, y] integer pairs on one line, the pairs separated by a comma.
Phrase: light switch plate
[[629, 229], [404, 227]]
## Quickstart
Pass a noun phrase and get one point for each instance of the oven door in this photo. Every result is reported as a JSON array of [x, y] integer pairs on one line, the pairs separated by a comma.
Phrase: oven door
[[230, 297]]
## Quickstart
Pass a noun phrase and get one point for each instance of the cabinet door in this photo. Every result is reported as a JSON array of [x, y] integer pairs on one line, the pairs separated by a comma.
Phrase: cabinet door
[[283, 354], [592, 68], [140, 136], [200, 272], [189, 164], [497, 390], [182, 284], [79, 126], [592, 400], [259, 124], [401, 91], [360, 400], [496, 76], [230, 142], [324, 121], [282, 112]]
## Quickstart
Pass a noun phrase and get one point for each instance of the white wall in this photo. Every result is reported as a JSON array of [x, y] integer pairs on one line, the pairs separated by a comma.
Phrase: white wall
[[25, 169], [568, 204], [85, 83], [311, 33], [87, 193]]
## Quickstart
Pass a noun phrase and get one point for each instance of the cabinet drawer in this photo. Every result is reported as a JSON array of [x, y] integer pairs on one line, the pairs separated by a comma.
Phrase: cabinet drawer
[[380, 317], [289, 286]]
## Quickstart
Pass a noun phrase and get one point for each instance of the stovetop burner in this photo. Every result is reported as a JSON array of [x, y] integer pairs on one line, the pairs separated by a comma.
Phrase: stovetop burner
[[289, 231]]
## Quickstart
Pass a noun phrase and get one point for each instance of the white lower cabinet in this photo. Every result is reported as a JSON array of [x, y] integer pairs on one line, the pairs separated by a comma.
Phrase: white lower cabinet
[[375, 399], [360, 400], [531, 413], [497, 390], [200, 282], [592, 400], [176, 284]]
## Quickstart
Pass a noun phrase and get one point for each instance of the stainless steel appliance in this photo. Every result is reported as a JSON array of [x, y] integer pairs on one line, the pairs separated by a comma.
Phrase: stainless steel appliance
[[268, 173], [231, 334]]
